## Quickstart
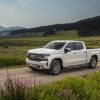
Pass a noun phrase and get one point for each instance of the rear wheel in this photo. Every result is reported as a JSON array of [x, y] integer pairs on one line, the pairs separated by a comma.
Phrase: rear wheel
[[55, 67], [93, 63]]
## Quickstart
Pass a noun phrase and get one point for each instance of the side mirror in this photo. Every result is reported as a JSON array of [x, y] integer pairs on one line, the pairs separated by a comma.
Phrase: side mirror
[[67, 50]]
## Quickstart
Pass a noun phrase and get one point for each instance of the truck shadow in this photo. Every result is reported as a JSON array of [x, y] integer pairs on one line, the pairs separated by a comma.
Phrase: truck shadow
[[65, 70], [74, 69]]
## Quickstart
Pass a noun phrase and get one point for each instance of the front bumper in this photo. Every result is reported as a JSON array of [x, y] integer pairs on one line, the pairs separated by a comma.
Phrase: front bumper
[[37, 65]]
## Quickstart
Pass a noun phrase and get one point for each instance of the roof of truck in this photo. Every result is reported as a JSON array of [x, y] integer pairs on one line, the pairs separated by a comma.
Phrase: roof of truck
[[66, 41]]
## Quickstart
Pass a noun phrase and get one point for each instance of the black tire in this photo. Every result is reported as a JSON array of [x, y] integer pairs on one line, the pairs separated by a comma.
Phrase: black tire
[[93, 63], [55, 67]]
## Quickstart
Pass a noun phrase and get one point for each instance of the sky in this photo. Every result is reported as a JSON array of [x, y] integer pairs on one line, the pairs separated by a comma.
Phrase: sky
[[34, 13]]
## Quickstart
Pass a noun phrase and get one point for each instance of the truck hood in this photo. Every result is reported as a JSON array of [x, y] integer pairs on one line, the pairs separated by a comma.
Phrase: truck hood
[[43, 51]]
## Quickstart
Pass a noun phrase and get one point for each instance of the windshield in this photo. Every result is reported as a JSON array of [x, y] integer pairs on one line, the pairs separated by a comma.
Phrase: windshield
[[55, 45]]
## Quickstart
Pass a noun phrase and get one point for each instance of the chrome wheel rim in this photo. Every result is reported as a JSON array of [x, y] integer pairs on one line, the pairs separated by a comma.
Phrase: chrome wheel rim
[[94, 63], [56, 68]]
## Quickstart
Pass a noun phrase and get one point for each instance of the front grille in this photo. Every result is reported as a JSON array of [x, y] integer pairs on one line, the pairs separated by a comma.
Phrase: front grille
[[34, 57]]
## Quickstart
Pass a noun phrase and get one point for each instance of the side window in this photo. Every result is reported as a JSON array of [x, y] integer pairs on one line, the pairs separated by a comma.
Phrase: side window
[[78, 46], [70, 45]]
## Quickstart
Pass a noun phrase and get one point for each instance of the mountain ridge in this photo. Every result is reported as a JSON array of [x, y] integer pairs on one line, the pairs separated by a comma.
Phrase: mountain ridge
[[85, 27], [10, 28], [6, 30]]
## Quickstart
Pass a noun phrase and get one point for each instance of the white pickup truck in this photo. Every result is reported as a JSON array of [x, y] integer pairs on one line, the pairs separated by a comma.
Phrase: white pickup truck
[[59, 54]]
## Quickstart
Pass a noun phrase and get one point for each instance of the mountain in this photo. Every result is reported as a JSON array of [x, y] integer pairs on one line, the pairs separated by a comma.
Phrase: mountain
[[4, 31], [88, 27], [85, 27], [1, 28]]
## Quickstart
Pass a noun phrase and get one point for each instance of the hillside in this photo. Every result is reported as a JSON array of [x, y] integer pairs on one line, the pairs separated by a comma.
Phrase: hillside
[[4, 31], [86, 27]]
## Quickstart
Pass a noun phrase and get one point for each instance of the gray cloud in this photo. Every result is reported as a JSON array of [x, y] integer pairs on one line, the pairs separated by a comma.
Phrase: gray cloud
[[23, 2]]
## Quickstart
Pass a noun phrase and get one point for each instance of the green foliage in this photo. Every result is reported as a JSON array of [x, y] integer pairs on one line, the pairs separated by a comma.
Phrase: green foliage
[[14, 90], [11, 60], [70, 88]]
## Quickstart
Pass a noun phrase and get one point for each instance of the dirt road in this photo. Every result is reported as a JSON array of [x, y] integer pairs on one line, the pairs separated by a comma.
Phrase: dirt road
[[41, 77]]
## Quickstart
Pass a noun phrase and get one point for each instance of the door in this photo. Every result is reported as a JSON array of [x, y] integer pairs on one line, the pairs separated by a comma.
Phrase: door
[[76, 56]]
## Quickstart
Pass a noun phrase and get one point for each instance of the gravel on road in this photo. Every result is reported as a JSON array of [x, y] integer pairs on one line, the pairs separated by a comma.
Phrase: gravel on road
[[38, 77]]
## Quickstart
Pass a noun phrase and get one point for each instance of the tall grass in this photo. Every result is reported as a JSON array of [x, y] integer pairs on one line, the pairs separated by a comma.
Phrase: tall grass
[[9, 57], [71, 88], [10, 60]]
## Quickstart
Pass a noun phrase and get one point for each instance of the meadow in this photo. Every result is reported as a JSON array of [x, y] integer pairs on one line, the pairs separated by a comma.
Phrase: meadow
[[13, 50], [12, 54], [70, 88]]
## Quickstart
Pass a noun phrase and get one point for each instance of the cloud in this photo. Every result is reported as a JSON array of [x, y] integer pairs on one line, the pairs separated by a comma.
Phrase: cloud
[[23, 2]]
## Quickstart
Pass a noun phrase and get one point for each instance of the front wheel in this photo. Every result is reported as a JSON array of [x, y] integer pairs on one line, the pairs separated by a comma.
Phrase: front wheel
[[55, 67], [93, 63]]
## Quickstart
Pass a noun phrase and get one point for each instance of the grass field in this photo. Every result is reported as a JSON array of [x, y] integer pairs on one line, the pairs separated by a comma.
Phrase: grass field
[[70, 88], [13, 50]]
